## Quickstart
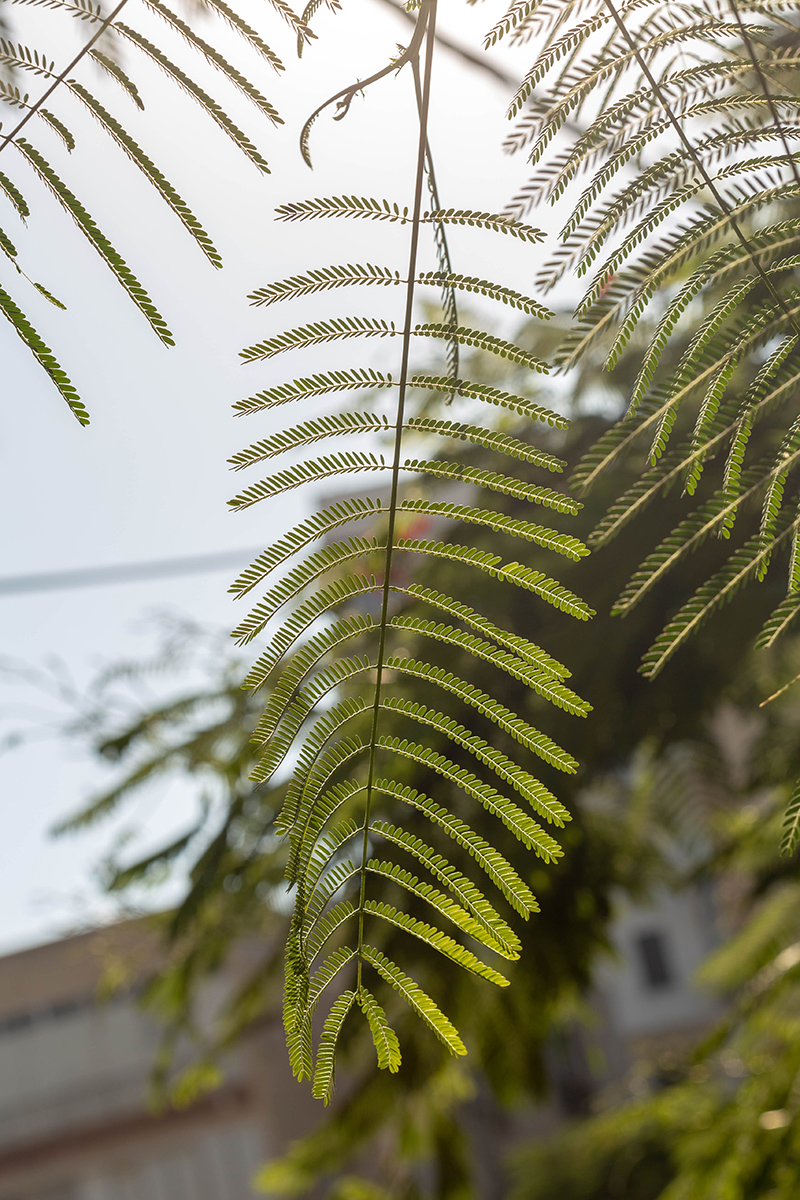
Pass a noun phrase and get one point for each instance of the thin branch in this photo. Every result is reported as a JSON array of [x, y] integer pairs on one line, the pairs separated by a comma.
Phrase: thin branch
[[427, 20], [345, 96], [460, 51], [780, 691], [449, 303]]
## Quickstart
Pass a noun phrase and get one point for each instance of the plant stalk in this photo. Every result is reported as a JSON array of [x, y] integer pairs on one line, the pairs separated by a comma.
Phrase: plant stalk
[[427, 15]]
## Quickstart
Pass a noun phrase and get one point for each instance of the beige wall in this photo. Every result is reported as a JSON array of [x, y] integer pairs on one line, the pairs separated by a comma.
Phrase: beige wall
[[74, 1118]]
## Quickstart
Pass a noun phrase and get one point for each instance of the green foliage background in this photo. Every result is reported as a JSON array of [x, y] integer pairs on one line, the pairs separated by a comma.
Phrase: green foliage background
[[625, 806]]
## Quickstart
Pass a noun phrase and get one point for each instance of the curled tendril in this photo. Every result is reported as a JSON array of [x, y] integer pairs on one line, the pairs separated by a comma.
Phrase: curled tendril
[[344, 98]]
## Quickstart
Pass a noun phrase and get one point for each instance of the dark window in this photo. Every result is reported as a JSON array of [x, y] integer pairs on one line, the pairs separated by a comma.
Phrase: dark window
[[654, 963]]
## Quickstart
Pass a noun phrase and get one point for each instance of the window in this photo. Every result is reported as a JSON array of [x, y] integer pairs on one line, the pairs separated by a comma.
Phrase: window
[[654, 963]]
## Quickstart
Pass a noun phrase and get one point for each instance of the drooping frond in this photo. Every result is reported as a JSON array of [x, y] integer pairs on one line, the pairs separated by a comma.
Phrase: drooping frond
[[98, 240], [372, 676], [43, 355], [26, 115], [679, 196]]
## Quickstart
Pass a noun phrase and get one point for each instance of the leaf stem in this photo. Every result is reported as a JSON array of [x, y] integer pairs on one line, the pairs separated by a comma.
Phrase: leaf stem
[[346, 95], [449, 303], [427, 17]]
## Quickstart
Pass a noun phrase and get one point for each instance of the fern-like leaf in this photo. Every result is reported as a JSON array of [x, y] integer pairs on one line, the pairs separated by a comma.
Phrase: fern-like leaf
[[100, 242], [43, 355], [385, 210], [791, 823], [354, 630], [685, 229]]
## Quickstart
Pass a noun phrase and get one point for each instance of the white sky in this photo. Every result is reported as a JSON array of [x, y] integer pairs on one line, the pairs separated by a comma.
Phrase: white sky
[[149, 478]]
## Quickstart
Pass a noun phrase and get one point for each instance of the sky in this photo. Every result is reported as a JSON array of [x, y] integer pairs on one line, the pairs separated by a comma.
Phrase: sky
[[148, 479]]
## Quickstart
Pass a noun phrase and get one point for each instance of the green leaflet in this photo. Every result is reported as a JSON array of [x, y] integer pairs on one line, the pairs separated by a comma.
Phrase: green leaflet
[[791, 823], [285, 690], [438, 901], [387, 1046], [501, 936], [526, 830], [355, 693], [506, 768], [358, 548], [363, 423], [318, 333], [359, 275], [315, 385], [343, 513], [329, 383], [216, 59], [59, 127], [356, 586], [43, 355], [743, 565], [491, 395], [780, 620], [351, 462], [435, 938], [202, 97], [299, 1034], [416, 999], [326, 1054], [114, 70], [323, 279], [385, 210], [100, 242], [7, 246], [151, 172], [325, 927], [497, 868], [10, 189]]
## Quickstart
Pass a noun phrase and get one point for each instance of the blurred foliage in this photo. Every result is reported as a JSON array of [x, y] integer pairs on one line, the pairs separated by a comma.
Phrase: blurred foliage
[[723, 1124], [721, 1121], [657, 779]]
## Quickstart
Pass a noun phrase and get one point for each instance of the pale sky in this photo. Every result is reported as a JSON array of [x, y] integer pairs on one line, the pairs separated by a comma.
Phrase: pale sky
[[149, 478]]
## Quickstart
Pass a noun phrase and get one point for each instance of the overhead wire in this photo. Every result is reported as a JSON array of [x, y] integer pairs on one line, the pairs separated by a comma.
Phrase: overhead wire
[[130, 572]]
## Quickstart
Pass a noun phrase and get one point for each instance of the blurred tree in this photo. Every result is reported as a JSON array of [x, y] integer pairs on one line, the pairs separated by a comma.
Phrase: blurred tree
[[421, 1118], [722, 1120]]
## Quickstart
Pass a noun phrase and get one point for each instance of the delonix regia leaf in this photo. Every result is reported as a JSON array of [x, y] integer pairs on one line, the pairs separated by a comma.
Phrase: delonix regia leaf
[[351, 711]]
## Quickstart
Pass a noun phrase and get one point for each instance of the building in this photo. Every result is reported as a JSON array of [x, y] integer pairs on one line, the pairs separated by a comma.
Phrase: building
[[75, 1123]]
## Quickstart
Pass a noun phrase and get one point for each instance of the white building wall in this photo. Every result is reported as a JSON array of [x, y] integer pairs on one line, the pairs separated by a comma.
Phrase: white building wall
[[637, 1006]]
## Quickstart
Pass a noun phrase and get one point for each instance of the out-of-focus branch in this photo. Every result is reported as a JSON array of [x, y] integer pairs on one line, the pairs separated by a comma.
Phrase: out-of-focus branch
[[474, 60]]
